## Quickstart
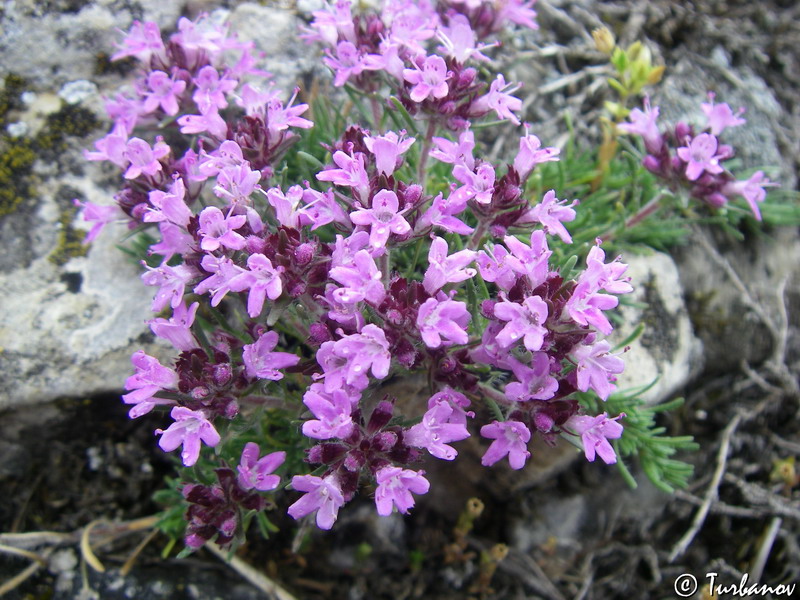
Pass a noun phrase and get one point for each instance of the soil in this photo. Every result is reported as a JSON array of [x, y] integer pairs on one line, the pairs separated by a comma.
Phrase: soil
[[579, 534]]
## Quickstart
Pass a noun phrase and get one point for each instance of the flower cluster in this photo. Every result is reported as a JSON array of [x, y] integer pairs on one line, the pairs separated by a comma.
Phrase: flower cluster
[[392, 49], [687, 158], [319, 282]]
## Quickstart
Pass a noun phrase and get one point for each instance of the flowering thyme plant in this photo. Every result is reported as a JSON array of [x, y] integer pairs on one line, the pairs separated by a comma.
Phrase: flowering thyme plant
[[300, 297]]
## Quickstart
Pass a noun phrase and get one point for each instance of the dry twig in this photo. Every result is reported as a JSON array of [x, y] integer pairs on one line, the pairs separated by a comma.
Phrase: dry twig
[[765, 548], [712, 492], [258, 579]]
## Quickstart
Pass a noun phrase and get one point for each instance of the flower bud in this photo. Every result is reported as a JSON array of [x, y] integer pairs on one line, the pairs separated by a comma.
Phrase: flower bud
[[304, 253], [682, 131], [652, 164], [222, 374], [487, 309], [319, 333], [543, 421], [466, 77], [497, 230], [200, 392], [603, 40], [254, 245]]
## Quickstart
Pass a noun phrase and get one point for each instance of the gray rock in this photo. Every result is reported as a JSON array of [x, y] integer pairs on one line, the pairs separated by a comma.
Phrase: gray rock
[[731, 330], [667, 354], [69, 330], [53, 43]]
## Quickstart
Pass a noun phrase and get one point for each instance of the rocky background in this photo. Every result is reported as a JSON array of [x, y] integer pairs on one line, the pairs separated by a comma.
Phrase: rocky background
[[721, 316]]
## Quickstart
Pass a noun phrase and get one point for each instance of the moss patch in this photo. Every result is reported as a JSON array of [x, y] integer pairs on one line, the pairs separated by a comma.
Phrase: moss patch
[[70, 240], [17, 155]]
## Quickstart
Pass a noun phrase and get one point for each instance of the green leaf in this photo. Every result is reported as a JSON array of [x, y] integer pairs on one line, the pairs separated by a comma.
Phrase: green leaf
[[410, 122]]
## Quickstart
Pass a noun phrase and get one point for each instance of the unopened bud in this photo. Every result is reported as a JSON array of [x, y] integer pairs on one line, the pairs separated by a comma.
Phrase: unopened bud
[[319, 333], [603, 40], [222, 374], [304, 253], [254, 245]]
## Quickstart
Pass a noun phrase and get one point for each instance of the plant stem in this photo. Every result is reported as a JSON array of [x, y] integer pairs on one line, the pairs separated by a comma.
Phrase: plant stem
[[426, 146], [644, 212], [477, 235]]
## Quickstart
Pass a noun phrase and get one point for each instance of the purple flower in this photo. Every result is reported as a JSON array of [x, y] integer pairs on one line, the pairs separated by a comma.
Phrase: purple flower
[[332, 412], [751, 189], [518, 12], [529, 260], [351, 173], [286, 205], [500, 100], [282, 116], [510, 438], [383, 218], [209, 121], [169, 206], [144, 159], [443, 269], [701, 155], [347, 63], [596, 367], [395, 486], [322, 495], [607, 276], [112, 147], [440, 214], [551, 213], [224, 272], [150, 378], [229, 154], [455, 153], [643, 123], [457, 401], [142, 41], [322, 208], [525, 321], [478, 185], [177, 330], [218, 230], [595, 433], [164, 92], [429, 81], [497, 265], [336, 370], [364, 351], [387, 149], [586, 306], [459, 41], [210, 89], [255, 472], [531, 154], [236, 183], [333, 21], [174, 240], [99, 215], [189, 429], [263, 281], [720, 116], [260, 360], [440, 425], [361, 280], [440, 318], [535, 382], [171, 282]]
